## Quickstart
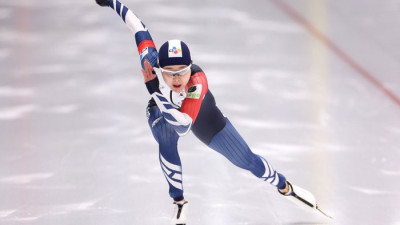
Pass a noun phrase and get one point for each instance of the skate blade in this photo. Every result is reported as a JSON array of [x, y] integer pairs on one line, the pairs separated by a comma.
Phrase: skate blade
[[317, 208]]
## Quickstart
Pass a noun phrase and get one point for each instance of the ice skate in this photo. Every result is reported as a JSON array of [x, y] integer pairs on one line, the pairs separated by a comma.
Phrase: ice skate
[[180, 212], [300, 197]]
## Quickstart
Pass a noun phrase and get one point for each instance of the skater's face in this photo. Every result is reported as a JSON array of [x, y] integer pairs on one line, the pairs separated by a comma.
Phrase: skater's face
[[176, 76]]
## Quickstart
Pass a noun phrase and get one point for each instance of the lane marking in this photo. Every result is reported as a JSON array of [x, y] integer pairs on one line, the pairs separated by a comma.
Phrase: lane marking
[[331, 45]]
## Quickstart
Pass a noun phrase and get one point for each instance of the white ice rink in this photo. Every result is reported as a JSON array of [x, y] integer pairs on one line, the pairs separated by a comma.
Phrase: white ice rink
[[312, 85]]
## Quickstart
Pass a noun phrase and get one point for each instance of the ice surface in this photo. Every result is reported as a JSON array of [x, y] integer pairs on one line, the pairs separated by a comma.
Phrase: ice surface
[[75, 144]]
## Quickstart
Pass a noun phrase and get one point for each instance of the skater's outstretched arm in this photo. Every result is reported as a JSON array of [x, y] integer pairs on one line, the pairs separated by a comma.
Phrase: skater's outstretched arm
[[147, 49], [181, 122]]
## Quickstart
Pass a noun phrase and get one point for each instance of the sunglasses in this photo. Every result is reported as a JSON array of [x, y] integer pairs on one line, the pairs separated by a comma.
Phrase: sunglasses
[[176, 73]]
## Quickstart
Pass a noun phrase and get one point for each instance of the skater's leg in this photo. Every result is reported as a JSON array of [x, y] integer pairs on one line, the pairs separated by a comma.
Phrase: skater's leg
[[229, 143], [170, 161]]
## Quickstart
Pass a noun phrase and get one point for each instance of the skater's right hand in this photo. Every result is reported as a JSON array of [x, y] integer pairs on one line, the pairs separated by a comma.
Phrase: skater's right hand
[[150, 78], [148, 72], [103, 2]]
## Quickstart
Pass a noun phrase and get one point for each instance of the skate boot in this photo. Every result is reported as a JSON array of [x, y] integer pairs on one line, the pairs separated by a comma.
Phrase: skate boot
[[180, 212], [300, 197]]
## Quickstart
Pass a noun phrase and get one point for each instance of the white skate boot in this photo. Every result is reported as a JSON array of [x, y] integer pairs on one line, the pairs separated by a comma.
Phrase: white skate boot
[[301, 197], [180, 212]]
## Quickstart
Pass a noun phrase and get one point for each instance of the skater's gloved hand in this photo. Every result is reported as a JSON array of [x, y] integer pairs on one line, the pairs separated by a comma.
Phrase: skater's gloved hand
[[103, 2], [150, 78]]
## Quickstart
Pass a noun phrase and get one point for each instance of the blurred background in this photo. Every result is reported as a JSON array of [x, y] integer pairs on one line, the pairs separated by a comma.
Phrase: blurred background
[[312, 85]]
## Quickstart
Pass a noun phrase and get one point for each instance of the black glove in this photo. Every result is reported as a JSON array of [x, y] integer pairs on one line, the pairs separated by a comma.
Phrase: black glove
[[103, 2]]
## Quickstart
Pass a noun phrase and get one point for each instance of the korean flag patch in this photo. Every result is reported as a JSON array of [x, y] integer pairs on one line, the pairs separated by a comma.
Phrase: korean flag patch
[[194, 91], [144, 52]]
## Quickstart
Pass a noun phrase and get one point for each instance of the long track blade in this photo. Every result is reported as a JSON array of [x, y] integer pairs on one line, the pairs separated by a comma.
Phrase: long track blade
[[323, 212]]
